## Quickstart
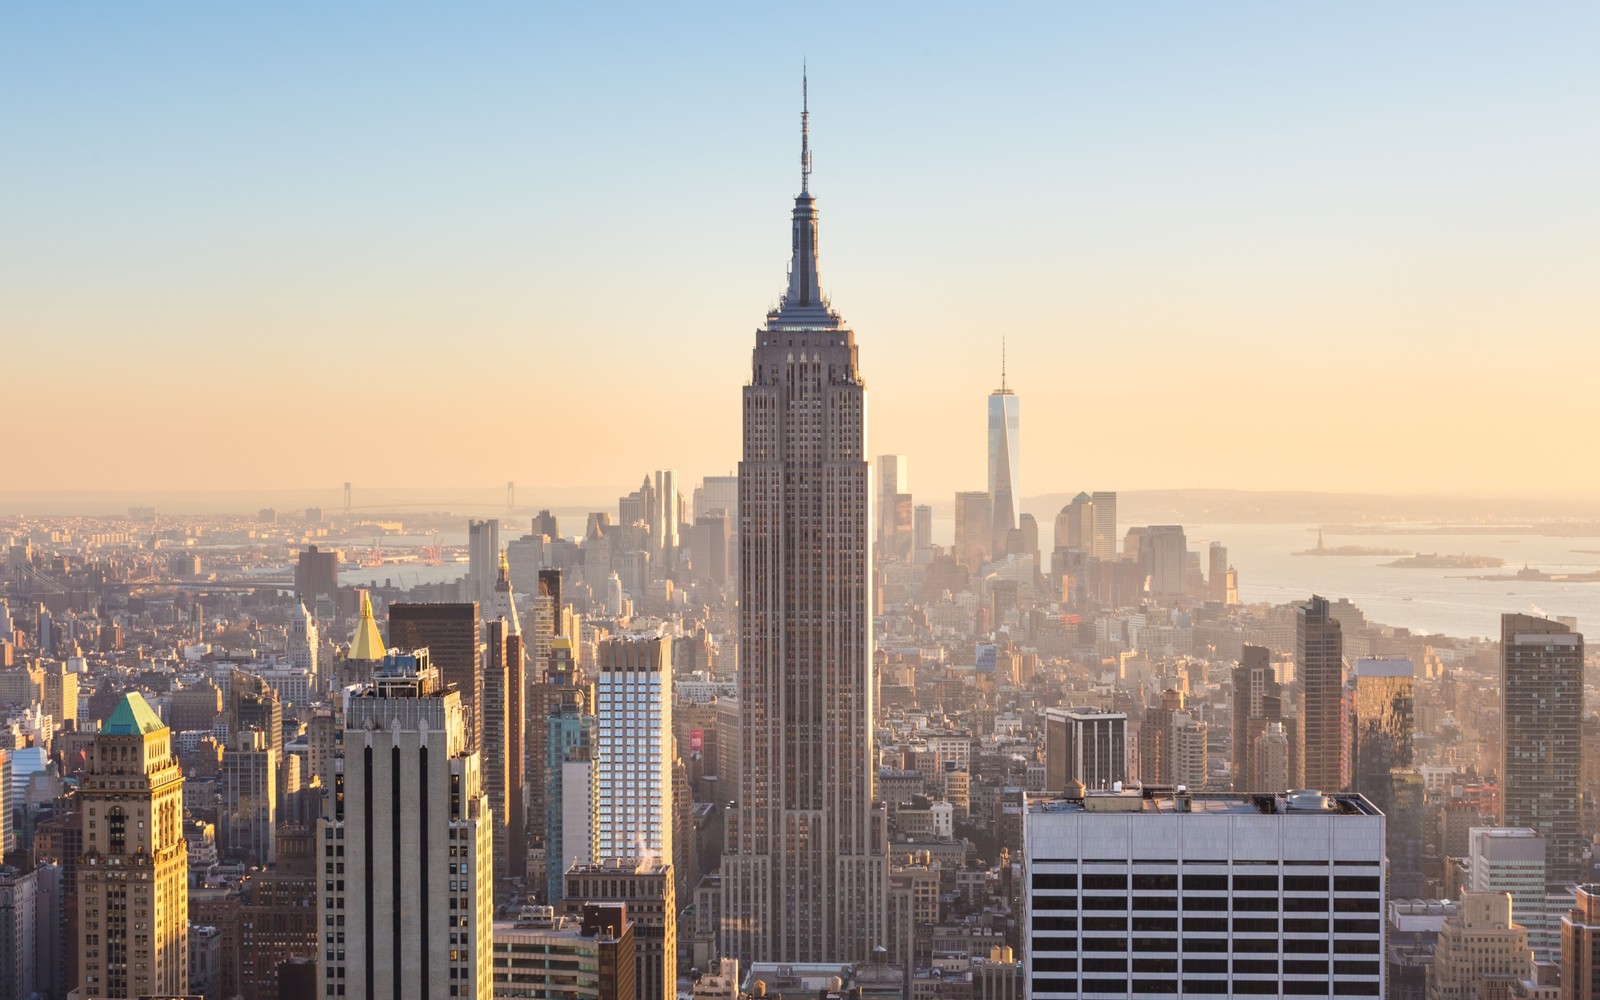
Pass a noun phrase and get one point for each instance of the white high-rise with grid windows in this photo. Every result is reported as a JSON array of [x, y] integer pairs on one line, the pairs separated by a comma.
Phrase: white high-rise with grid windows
[[633, 758]]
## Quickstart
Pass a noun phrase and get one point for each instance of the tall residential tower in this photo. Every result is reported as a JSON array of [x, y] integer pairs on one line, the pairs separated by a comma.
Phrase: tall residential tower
[[806, 872]]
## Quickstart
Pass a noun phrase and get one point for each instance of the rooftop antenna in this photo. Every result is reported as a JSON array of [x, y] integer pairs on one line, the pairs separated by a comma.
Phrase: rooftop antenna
[[1002, 363], [805, 131]]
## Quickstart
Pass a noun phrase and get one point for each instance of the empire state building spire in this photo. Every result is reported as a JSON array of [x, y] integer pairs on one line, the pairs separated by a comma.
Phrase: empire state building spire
[[805, 877], [805, 291]]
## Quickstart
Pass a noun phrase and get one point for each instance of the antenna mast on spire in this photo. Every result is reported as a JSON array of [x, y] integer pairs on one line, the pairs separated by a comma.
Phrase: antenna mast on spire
[[1002, 363], [805, 132]]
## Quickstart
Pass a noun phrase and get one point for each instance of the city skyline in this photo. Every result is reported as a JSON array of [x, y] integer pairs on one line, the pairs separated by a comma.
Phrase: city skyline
[[794, 729], [1190, 188]]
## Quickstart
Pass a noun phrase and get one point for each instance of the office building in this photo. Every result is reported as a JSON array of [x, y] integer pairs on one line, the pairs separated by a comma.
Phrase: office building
[[664, 518], [1084, 746], [252, 705], [61, 695], [1075, 525], [1580, 946], [316, 574], [33, 928], [247, 817], [544, 954], [717, 493], [5, 803], [568, 799], [646, 888], [1319, 670], [506, 694], [1480, 948], [133, 900], [922, 527], [305, 643], [560, 689], [974, 541], [1381, 696], [483, 557], [1271, 755], [1104, 541], [1217, 573], [1143, 893], [278, 922], [451, 635], [411, 916], [895, 518], [504, 691], [806, 871], [1169, 560], [1512, 860], [1005, 460], [1257, 706], [1541, 706], [633, 715]]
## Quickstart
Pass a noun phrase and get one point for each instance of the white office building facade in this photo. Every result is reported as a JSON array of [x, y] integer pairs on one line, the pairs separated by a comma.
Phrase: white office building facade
[[1151, 895], [633, 772]]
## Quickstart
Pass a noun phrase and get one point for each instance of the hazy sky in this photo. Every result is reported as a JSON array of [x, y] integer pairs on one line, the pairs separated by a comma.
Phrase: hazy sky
[[1346, 246]]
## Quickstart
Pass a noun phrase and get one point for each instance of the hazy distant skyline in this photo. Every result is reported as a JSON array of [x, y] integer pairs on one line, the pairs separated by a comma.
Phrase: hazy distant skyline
[[1347, 248]]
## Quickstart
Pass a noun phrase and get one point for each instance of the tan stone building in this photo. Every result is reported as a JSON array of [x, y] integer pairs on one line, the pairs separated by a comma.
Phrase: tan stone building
[[133, 903], [1478, 945]]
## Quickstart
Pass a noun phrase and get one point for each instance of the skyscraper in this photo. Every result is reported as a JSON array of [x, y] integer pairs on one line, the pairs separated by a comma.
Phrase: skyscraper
[[664, 520], [1005, 459], [412, 834], [316, 574], [805, 877], [1084, 745], [1580, 946], [1257, 705], [449, 632], [133, 900], [1103, 544], [1075, 524], [1319, 670], [1217, 574], [633, 711], [304, 643], [483, 553], [1381, 726], [974, 542], [894, 507], [505, 717], [1169, 558], [1541, 706]]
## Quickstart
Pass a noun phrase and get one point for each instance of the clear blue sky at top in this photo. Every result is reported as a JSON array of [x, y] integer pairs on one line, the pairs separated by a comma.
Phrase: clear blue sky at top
[[527, 177], [141, 126]]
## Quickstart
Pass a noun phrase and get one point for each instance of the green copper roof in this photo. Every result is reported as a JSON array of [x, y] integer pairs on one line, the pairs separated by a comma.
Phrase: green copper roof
[[133, 716]]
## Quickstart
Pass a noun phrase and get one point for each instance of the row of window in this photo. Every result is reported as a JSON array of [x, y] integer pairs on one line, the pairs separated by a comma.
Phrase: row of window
[[1052, 923], [1046, 985], [1199, 882]]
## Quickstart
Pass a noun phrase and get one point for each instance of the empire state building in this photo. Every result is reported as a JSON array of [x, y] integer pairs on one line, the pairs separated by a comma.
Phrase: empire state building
[[806, 872]]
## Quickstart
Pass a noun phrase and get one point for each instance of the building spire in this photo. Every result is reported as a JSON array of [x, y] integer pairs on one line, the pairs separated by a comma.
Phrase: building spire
[[1002, 362], [805, 131], [805, 290]]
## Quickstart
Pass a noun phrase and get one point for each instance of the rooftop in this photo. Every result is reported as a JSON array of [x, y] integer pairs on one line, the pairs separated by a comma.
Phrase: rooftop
[[133, 716], [1162, 799]]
